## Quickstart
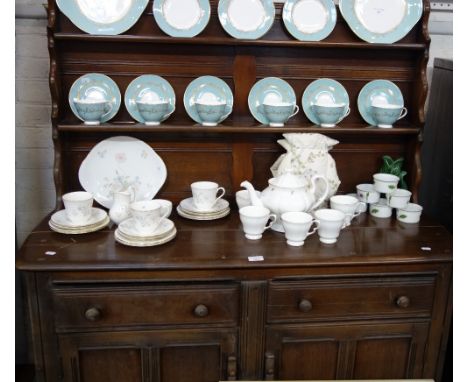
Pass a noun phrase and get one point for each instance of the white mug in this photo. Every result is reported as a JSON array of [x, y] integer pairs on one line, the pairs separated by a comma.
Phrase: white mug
[[254, 221], [366, 193], [349, 205], [330, 223], [296, 227], [398, 198], [78, 206], [148, 215], [205, 194]]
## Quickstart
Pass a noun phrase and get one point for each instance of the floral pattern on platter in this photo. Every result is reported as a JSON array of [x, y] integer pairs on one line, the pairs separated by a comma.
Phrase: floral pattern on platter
[[119, 183]]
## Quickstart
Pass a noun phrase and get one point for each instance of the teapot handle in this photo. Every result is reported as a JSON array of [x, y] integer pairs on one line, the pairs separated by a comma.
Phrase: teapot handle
[[325, 194]]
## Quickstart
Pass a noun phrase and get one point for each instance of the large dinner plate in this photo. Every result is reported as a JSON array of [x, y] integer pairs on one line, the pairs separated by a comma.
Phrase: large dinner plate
[[380, 91], [207, 88], [98, 87], [182, 18], [381, 21], [246, 19], [148, 87], [103, 17], [120, 162], [309, 20]]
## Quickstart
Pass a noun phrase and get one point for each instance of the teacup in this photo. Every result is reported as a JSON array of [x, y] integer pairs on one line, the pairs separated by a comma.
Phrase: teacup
[[362, 207], [92, 111], [410, 214], [166, 204], [205, 194], [279, 113], [367, 194], [330, 224], [148, 215], [380, 209], [330, 114], [243, 198], [347, 204], [296, 227], [398, 198], [154, 112], [385, 183], [211, 113], [78, 207], [254, 221], [385, 115]]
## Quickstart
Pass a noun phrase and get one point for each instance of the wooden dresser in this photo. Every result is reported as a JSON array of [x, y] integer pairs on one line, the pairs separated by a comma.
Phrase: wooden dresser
[[375, 305]]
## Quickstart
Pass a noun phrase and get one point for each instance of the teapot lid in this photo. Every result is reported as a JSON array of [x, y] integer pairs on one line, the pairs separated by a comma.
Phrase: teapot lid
[[289, 180]]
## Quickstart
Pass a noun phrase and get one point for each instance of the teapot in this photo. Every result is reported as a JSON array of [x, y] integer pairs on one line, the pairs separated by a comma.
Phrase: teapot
[[287, 193], [120, 209]]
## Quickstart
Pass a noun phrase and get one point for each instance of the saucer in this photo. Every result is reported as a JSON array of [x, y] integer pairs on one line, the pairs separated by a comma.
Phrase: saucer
[[95, 86], [148, 87], [60, 220], [210, 89], [144, 243], [80, 230], [186, 215], [379, 90], [323, 90], [188, 206], [270, 89], [128, 230]]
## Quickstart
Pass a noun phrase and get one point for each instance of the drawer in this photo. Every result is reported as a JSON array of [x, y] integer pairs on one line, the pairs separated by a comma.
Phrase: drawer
[[350, 298], [123, 306]]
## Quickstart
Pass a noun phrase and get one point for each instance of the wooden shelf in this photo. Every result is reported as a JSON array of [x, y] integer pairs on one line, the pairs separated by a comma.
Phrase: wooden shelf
[[200, 40]]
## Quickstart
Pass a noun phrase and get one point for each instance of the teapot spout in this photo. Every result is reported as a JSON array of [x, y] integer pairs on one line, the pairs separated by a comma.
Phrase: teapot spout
[[254, 199]]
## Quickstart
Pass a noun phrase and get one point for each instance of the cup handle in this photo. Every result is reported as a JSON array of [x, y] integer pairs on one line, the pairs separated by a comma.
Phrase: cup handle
[[296, 110], [109, 107], [273, 221], [404, 111], [227, 113], [169, 114], [344, 116], [167, 212], [317, 223], [223, 191], [358, 213]]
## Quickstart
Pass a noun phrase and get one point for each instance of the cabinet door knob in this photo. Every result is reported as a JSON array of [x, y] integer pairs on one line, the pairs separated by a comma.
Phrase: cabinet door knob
[[201, 310], [305, 305], [93, 314], [403, 301]]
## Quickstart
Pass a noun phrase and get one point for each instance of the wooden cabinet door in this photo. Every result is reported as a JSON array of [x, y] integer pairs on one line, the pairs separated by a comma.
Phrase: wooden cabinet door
[[197, 355], [347, 351]]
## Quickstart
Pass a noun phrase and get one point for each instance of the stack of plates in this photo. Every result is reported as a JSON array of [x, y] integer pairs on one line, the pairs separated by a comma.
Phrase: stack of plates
[[187, 210], [127, 234], [60, 223]]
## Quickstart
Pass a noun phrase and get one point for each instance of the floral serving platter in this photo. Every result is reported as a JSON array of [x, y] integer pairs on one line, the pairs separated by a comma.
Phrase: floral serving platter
[[103, 17], [381, 21], [309, 20], [117, 163], [246, 19], [148, 87], [182, 18]]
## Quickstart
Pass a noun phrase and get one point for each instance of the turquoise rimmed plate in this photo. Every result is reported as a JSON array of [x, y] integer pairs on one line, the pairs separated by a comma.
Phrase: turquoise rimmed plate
[[246, 19], [272, 89], [103, 17], [96, 86], [209, 89], [381, 91], [182, 18], [323, 90], [381, 21], [309, 20], [148, 87]]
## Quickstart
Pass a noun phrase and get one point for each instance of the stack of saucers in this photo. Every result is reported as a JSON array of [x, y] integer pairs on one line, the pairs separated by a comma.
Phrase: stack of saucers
[[60, 223], [128, 234], [187, 210]]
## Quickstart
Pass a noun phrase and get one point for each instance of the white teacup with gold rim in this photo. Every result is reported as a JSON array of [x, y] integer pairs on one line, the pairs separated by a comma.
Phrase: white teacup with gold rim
[[78, 207], [205, 194], [148, 215]]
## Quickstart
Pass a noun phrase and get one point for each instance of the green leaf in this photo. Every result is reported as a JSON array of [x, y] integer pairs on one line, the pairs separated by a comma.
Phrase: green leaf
[[374, 210], [402, 216], [391, 187]]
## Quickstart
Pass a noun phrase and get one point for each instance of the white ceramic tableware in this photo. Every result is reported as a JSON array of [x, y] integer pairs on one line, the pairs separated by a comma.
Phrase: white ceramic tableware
[[398, 198], [254, 221], [148, 215], [296, 227], [154, 112], [120, 238], [120, 209], [330, 114], [243, 198], [347, 204], [385, 183], [60, 220], [385, 115], [367, 194], [205, 194], [78, 206], [278, 113], [92, 111], [330, 223], [166, 204], [129, 231], [362, 206], [380, 209], [410, 214]]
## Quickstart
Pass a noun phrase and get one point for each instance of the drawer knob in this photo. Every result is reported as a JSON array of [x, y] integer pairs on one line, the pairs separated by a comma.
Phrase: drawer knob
[[403, 301], [305, 305], [201, 310], [93, 314]]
